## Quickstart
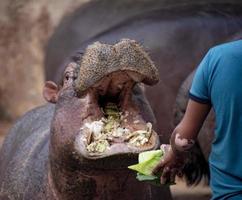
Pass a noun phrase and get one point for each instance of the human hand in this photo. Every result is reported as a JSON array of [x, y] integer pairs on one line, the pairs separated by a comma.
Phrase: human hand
[[170, 166]]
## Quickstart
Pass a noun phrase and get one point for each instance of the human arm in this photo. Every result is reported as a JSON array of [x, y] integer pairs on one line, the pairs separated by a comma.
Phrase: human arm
[[182, 139]]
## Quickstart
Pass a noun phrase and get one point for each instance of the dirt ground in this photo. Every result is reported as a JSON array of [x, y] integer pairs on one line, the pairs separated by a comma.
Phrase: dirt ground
[[179, 191]]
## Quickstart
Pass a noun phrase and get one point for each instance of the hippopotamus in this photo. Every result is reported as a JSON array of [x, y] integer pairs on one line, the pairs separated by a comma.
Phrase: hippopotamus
[[176, 34], [46, 154]]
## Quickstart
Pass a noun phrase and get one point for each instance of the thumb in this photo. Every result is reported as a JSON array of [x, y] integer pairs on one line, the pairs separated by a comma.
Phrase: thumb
[[159, 167]]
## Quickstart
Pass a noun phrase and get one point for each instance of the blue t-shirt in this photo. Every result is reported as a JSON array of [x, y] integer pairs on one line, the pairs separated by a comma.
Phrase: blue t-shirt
[[218, 81]]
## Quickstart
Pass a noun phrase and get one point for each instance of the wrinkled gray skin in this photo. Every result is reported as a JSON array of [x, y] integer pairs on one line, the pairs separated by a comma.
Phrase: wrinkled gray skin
[[24, 155]]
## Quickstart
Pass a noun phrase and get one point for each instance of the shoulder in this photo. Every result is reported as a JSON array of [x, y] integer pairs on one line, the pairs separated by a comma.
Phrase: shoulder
[[229, 49]]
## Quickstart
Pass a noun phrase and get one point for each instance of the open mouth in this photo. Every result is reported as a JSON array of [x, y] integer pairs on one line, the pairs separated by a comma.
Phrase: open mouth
[[107, 79], [115, 125]]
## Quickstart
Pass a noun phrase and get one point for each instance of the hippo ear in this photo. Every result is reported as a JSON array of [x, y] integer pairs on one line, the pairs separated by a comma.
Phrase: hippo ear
[[50, 92]]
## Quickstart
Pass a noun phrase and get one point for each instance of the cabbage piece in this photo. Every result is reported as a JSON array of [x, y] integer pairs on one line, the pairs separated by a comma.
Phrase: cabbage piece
[[98, 146], [111, 110], [154, 180], [147, 162], [147, 155], [142, 177], [111, 124]]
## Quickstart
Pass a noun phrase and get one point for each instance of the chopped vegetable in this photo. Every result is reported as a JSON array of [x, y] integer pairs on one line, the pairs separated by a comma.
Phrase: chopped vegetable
[[148, 160], [142, 177], [154, 180], [109, 129], [99, 146]]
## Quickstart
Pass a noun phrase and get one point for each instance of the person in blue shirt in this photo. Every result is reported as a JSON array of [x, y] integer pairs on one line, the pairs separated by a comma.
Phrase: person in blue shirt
[[217, 84]]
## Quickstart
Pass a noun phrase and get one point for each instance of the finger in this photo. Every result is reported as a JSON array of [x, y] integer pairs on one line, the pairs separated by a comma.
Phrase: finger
[[165, 147], [173, 175], [158, 167], [163, 180], [165, 177]]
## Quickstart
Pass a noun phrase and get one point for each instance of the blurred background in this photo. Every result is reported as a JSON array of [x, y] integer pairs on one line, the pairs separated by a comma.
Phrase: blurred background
[[25, 27], [37, 37]]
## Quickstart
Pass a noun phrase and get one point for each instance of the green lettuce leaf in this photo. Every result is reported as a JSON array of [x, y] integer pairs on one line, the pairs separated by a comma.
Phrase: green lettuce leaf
[[147, 155], [147, 162], [154, 180], [142, 177]]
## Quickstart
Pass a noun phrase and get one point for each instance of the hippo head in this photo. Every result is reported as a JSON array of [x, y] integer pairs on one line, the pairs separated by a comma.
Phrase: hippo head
[[102, 119]]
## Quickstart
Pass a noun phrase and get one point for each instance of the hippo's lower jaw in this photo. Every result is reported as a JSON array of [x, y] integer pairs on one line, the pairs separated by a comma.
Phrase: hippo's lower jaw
[[115, 148], [114, 124]]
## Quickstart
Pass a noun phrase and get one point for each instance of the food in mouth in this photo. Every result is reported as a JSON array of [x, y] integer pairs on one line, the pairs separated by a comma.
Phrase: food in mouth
[[101, 134]]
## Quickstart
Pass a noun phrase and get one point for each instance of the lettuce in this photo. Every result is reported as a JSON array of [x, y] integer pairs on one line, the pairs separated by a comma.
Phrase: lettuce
[[154, 180], [148, 160]]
